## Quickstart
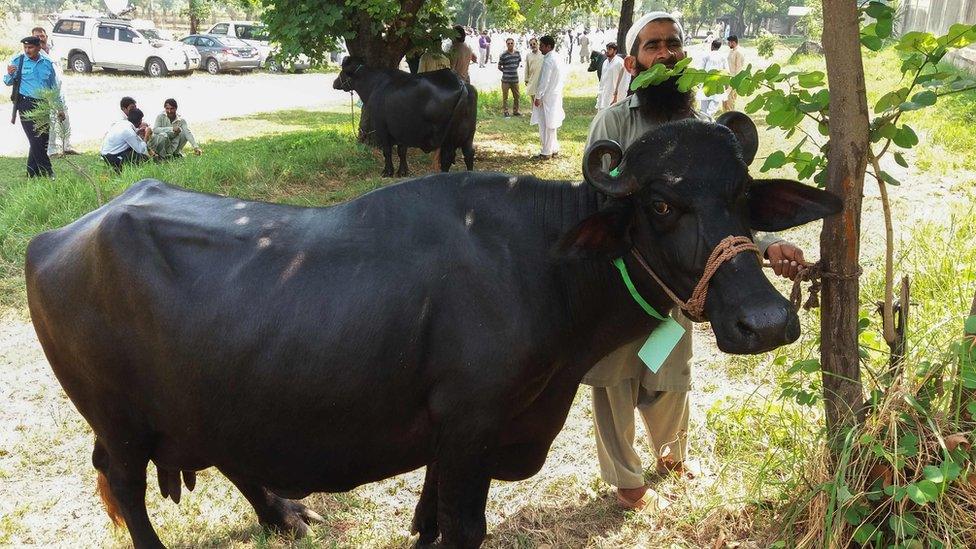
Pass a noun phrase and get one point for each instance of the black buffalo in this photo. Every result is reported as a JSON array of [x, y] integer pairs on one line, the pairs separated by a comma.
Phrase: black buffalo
[[596, 63], [444, 321], [432, 110]]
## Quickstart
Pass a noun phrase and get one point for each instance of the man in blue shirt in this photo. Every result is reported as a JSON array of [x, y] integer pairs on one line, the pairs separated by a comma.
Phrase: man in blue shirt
[[36, 72]]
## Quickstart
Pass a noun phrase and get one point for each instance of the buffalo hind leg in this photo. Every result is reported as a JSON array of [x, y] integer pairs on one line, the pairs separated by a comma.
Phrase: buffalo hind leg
[[277, 514], [403, 170], [425, 515], [448, 155], [387, 160], [122, 486], [468, 150]]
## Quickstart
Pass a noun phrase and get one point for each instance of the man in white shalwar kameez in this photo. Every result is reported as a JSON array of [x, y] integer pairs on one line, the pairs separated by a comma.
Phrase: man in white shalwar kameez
[[615, 79], [547, 108]]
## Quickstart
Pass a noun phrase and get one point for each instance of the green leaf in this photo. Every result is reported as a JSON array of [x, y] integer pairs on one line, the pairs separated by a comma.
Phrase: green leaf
[[811, 79], [933, 473], [970, 325], [773, 161], [883, 30], [916, 41], [865, 533], [756, 104], [926, 98], [877, 10], [900, 160], [958, 36], [772, 71], [904, 525], [910, 106], [887, 178], [905, 137], [872, 43]]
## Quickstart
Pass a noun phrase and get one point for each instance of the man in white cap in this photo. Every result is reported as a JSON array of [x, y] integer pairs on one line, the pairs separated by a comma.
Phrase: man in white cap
[[621, 383]]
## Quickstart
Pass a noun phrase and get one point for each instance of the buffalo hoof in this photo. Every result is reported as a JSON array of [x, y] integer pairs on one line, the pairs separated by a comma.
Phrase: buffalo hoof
[[387, 173], [291, 519], [403, 173], [428, 530]]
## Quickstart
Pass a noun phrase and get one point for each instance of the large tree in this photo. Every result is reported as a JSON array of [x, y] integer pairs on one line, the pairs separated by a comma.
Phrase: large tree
[[379, 31]]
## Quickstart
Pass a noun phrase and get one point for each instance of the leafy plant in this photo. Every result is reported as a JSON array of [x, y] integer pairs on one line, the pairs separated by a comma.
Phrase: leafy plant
[[766, 45]]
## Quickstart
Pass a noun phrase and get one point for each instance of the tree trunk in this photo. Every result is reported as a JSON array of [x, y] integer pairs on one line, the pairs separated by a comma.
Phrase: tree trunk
[[840, 239], [626, 20], [194, 20]]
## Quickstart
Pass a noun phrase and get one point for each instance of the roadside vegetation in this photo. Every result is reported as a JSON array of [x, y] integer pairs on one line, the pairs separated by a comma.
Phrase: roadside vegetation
[[757, 422]]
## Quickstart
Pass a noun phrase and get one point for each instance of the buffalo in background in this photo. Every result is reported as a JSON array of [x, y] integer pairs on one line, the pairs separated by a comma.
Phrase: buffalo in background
[[432, 110]]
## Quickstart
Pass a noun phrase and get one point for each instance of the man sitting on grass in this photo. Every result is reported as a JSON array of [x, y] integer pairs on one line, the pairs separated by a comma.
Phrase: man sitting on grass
[[170, 133], [122, 145]]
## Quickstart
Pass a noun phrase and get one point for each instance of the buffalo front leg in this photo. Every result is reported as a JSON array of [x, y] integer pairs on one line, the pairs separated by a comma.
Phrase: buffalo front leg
[[277, 514], [462, 488], [425, 515], [387, 160], [122, 486], [403, 170]]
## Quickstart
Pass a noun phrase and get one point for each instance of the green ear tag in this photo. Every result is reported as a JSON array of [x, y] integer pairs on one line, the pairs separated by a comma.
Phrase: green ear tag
[[615, 172], [660, 343], [664, 338]]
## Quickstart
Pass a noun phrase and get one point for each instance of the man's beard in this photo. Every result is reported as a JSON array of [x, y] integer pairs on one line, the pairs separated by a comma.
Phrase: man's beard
[[664, 101]]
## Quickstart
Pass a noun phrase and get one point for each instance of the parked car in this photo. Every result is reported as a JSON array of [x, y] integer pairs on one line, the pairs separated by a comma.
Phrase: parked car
[[119, 44], [224, 53], [255, 34]]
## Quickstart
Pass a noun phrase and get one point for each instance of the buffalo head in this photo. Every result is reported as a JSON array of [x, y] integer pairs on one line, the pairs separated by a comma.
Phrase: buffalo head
[[351, 67], [678, 192]]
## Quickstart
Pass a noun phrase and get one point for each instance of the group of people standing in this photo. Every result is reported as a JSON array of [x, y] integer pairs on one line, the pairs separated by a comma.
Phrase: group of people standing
[[36, 70]]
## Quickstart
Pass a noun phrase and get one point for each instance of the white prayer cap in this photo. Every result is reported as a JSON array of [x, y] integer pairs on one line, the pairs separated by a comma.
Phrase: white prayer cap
[[647, 18]]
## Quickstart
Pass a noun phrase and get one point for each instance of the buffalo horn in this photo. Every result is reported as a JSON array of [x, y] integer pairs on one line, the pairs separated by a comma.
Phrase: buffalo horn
[[593, 173]]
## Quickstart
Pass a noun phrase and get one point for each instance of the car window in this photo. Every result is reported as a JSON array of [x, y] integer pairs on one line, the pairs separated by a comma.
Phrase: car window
[[106, 33], [150, 34], [190, 40], [125, 35], [70, 26], [205, 42], [219, 29], [232, 42], [252, 32]]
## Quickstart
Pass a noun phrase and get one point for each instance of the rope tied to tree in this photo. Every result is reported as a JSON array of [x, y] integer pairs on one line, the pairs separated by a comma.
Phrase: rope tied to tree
[[812, 273]]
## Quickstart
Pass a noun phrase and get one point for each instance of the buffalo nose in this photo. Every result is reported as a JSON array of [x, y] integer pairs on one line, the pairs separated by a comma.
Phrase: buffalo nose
[[769, 326]]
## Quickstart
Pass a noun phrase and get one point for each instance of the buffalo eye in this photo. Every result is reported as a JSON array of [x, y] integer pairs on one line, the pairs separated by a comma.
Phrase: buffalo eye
[[661, 208]]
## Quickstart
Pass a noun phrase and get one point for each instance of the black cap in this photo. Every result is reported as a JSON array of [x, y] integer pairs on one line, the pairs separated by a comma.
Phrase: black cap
[[31, 40]]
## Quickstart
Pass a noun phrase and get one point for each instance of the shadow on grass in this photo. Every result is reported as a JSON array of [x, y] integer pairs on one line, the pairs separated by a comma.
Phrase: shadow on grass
[[568, 524]]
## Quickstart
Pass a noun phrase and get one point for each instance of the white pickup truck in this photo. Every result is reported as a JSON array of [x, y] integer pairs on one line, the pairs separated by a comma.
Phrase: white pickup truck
[[119, 44]]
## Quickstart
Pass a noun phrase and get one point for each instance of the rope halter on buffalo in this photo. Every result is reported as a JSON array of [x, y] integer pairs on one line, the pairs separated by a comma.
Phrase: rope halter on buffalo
[[728, 248]]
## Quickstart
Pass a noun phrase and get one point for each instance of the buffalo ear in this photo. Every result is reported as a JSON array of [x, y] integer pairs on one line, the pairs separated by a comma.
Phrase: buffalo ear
[[602, 235], [778, 204], [745, 133]]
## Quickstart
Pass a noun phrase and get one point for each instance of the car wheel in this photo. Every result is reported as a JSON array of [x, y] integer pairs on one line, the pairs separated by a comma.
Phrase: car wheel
[[273, 66], [79, 63], [156, 68], [212, 66]]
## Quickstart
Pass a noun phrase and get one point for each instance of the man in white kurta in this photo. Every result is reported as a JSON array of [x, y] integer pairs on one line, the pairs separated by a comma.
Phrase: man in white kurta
[[533, 66], [615, 79], [708, 104], [547, 108]]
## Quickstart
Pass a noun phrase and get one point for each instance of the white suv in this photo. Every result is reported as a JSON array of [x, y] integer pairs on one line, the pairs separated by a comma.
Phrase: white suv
[[256, 35], [119, 44]]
